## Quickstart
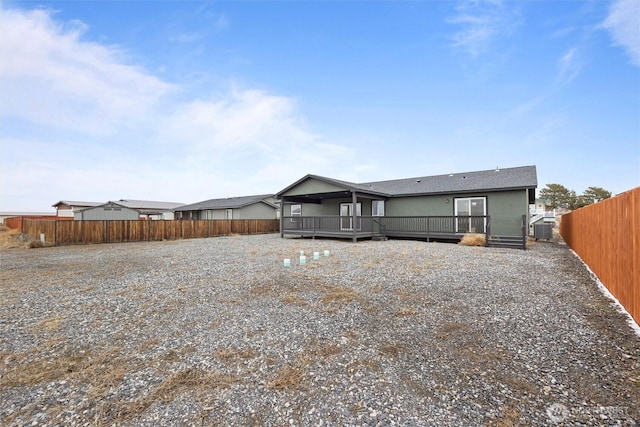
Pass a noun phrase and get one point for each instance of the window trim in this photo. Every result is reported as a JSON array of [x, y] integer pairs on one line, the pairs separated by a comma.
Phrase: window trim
[[297, 213], [468, 224], [376, 202]]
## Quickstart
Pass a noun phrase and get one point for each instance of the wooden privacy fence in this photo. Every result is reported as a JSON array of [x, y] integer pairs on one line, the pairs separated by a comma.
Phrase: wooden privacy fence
[[606, 236], [61, 233], [16, 222]]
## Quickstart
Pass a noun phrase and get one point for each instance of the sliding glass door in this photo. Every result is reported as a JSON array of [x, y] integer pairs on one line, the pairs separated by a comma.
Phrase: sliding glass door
[[467, 208], [346, 216]]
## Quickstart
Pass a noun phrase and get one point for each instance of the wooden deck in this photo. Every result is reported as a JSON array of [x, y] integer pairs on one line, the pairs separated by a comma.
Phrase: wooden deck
[[411, 227]]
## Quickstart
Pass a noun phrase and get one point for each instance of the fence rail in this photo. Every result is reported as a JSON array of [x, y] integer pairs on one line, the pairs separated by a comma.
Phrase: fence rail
[[62, 233], [606, 236]]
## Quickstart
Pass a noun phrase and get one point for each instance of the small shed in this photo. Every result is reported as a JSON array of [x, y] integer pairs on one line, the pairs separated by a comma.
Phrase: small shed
[[106, 212]]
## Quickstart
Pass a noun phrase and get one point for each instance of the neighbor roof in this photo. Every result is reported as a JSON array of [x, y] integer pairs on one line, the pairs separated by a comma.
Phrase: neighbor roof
[[149, 204], [228, 203], [76, 203], [465, 182]]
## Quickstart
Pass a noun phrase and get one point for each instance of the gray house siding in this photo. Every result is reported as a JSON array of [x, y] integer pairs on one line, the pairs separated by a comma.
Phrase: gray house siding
[[106, 213], [506, 210], [255, 211], [420, 205]]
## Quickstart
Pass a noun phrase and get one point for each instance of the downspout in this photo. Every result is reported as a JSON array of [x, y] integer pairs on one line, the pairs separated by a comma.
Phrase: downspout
[[354, 225]]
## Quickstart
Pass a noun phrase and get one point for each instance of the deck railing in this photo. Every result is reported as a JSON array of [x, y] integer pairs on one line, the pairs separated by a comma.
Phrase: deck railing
[[388, 224]]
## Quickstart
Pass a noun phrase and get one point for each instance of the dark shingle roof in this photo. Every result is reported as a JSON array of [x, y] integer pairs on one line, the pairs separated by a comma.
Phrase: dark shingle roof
[[494, 179], [228, 203], [465, 182]]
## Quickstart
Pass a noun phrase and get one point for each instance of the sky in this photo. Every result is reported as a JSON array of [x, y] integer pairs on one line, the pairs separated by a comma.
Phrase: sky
[[184, 101]]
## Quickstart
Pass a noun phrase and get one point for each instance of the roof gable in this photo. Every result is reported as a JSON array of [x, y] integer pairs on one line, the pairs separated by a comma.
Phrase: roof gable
[[321, 184]]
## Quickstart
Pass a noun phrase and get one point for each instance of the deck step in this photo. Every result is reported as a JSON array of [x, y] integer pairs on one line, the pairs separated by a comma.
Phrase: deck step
[[515, 242]]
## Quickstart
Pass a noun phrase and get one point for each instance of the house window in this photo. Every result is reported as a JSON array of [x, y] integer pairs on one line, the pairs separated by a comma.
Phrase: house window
[[296, 210], [229, 213], [377, 208], [471, 213]]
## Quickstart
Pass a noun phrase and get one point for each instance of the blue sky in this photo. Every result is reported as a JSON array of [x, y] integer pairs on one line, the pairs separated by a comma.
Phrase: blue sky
[[187, 100]]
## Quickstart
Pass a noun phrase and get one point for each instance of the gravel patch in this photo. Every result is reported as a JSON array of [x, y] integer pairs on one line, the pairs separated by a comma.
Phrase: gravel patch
[[217, 332]]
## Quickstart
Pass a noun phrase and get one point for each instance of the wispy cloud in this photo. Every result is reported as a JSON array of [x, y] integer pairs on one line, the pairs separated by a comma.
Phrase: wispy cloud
[[569, 66], [623, 22], [49, 76], [102, 128], [481, 23]]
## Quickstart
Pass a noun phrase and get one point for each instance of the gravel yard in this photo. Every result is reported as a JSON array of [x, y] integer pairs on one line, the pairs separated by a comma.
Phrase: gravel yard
[[217, 332]]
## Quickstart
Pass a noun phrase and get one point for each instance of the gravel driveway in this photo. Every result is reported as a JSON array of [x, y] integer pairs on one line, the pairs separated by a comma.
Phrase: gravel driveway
[[217, 332]]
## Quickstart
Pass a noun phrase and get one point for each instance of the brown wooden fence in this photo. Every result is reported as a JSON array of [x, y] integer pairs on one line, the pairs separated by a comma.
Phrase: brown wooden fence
[[606, 236], [85, 232], [15, 222]]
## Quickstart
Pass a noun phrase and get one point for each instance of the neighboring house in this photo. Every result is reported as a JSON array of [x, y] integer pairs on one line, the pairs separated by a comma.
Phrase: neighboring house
[[541, 210], [494, 202], [67, 208], [151, 209], [262, 206], [107, 212]]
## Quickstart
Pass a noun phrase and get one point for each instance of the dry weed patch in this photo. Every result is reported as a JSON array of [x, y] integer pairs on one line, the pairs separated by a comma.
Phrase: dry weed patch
[[406, 311], [391, 349], [288, 378], [473, 239], [195, 380], [448, 329], [363, 365], [28, 371], [52, 324], [293, 298], [338, 295], [228, 354]]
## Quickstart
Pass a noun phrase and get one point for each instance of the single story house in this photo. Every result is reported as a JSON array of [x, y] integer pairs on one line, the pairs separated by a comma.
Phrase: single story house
[[124, 209], [150, 209], [262, 206], [494, 202], [107, 212], [68, 208]]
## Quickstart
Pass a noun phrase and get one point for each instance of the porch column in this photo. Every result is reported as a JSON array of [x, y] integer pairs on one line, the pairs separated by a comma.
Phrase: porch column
[[354, 224], [281, 216]]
